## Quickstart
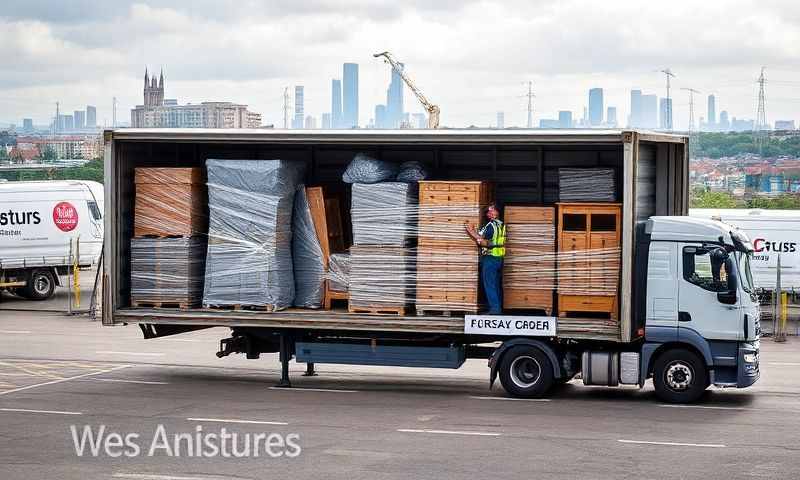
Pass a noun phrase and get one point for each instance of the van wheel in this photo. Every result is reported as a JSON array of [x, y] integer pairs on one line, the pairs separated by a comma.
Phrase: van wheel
[[41, 285], [526, 372], [679, 376]]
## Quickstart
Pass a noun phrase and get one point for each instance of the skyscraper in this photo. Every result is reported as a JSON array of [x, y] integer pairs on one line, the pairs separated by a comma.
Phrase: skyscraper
[[635, 120], [311, 123], [69, 123], [380, 116], [420, 121], [724, 123], [665, 114], [649, 111], [299, 110], [611, 116], [80, 119], [91, 116], [326, 121], [595, 107], [336, 103], [501, 120], [27, 124], [712, 112], [350, 96], [394, 99], [564, 119]]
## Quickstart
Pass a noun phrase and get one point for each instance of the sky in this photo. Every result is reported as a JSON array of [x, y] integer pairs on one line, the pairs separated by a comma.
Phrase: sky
[[472, 58]]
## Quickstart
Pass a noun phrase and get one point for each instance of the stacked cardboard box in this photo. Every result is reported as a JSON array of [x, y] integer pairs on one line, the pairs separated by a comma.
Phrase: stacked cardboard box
[[529, 268], [249, 261], [447, 258], [382, 270], [168, 248]]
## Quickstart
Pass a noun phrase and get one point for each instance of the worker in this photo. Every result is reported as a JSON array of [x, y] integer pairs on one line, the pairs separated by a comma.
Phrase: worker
[[492, 240]]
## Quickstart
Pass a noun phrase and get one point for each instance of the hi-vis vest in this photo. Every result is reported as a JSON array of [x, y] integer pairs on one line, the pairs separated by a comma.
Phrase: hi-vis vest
[[497, 245]]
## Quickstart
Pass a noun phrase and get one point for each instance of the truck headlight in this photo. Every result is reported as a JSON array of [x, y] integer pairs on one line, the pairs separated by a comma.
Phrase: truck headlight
[[750, 357]]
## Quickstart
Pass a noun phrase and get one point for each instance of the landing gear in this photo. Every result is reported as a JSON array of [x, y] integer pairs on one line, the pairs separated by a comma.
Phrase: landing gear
[[310, 372], [285, 355]]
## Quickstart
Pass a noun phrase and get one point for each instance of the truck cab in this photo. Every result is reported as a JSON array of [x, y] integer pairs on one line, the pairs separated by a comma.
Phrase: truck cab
[[702, 321]]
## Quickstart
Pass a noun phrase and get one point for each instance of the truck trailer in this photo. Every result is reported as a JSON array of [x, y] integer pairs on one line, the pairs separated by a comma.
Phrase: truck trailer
[[685, 315]]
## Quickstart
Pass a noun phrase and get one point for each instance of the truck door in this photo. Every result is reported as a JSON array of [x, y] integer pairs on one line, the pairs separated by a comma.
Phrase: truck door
[[703, 275], [662, 292]]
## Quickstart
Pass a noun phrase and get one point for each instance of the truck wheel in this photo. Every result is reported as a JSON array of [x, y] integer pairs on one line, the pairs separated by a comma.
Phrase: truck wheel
[[41, 285], [526, 372], [679, 376]]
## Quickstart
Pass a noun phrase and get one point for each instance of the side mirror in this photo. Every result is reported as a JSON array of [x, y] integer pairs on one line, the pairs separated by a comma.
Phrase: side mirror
[[729, 297]]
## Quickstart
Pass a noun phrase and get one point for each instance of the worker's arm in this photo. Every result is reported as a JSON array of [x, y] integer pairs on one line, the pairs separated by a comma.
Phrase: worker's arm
[[481, 242]]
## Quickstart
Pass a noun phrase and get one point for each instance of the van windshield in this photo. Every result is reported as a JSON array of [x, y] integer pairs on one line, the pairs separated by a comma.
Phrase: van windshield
[[744, 271], [94, 210]]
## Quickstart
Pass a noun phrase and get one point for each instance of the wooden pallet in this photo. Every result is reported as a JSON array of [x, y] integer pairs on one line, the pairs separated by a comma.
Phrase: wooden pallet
[[329, 295], [377, 309], [179, 305], [438, 312], [240, 307], [577, 305]]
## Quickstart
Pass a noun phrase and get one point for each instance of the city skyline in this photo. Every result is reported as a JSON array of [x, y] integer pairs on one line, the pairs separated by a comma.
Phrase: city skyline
[[472, 73]]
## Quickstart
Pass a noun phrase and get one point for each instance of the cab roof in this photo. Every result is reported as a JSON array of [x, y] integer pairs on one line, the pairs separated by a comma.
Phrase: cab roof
[[689, 229]]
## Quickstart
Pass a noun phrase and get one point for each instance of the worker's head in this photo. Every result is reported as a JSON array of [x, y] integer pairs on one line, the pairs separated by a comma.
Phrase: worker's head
[[492, 211]]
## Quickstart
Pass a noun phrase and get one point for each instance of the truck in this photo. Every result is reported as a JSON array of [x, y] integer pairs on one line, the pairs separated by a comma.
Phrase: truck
[[774, 233], [40, 225], [687, 314]]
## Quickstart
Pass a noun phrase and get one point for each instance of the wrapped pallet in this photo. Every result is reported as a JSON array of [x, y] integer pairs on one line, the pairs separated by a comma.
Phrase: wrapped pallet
[[586, 185], [339, 272], [249, 261], [169, 202], [307, 255], [383, 213], [167, 272], [381, 279]]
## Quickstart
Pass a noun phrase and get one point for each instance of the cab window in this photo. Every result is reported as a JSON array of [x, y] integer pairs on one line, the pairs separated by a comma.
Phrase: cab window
[[94, 210], [705, 268]]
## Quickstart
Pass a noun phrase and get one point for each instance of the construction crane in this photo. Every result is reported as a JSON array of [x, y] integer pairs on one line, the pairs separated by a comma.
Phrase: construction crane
[[433, 110]]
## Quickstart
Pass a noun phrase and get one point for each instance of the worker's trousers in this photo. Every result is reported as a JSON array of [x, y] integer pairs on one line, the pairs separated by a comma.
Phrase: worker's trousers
[[492, 281]]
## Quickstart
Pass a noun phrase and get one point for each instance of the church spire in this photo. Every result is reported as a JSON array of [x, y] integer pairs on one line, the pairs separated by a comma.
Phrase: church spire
[[145, 77], [161, 79]]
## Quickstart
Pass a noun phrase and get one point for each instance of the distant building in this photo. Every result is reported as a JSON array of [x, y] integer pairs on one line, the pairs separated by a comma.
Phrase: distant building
[[156, 113], [336, 103], [665, 114], [420, 121], [635, 120], [724, 123], [649, 111], [712, 113], [548, 123], [79, 117], [299, 107], [350, 95], [91, 116], [69, 123], [326, 121], [380, 116], [564, 119], [784, 125], [611, 116], [596, 107], [64, 146], [741, 125], [311, 123], [501, 120], [394, 99], [27, 125]]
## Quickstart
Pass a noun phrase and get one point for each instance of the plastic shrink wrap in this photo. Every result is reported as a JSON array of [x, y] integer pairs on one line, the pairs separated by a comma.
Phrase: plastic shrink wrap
[[167, 271], [338, 274], [412, 172], [384, 213], [307, 256], [365, 169], [249, 259], [586, 185]]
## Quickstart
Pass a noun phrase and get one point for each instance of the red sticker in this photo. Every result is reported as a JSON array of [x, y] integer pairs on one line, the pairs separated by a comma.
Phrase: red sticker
[[65, 216]]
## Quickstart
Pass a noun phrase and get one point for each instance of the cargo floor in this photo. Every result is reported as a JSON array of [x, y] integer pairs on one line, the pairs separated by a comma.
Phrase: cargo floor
[[323, 320]]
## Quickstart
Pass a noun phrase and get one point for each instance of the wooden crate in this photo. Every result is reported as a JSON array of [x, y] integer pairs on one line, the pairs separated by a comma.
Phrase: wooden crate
[[170, 202], [589, 238], [447, 258], [529, 265]]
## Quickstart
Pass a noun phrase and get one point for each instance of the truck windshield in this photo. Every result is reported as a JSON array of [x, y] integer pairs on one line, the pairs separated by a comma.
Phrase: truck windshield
[[744, 271]]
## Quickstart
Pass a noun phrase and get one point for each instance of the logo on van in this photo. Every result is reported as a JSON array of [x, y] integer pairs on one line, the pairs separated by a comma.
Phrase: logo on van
[[65, 216], [762, 244]]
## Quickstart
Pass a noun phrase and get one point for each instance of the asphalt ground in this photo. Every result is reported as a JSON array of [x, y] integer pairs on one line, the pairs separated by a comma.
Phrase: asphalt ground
[[58, 372]]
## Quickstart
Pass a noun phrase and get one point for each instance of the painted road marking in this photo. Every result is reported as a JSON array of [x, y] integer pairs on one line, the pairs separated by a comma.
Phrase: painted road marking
[[142, 354], [295, 389], [450, 432], [192, 340], [233, 420], [25, 410], [61, 380], [150, 476], [143, 382], [783, 364], [706, 407], [15, 332], [511, 399], [674, 444]]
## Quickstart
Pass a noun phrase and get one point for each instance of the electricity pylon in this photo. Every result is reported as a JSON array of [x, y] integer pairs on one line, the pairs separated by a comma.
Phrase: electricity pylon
[[760, 134]]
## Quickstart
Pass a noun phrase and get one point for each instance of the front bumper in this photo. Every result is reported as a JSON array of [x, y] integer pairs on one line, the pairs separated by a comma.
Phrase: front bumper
[[749, 369]]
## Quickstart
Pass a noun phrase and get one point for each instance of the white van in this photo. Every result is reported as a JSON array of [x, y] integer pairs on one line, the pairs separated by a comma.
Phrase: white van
[[37, 222]]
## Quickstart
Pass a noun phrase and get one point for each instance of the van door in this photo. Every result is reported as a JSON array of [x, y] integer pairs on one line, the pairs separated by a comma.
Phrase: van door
[[662, 292], [703, 276]]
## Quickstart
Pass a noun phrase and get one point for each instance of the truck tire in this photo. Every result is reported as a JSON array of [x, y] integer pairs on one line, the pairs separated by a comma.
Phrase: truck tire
[[680, 376], [41, 285], [526, 372]]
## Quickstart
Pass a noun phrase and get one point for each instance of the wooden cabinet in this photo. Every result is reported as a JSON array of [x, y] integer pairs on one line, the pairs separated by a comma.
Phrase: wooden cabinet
[[447, 258], [529, 268], [589, 240]]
